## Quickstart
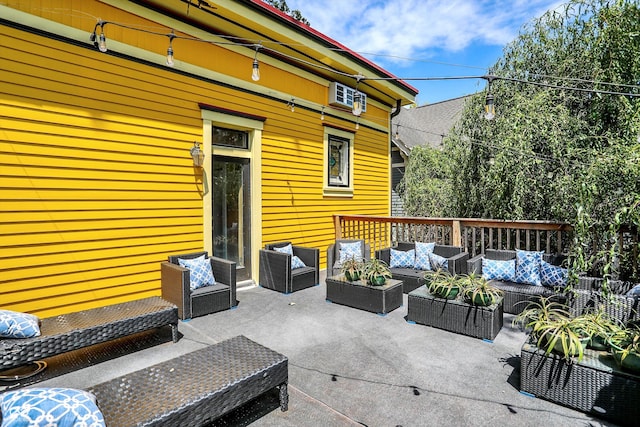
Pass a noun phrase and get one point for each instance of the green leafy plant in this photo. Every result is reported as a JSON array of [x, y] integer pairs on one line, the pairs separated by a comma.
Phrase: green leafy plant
[[376, 272], [478, 291], [352, 268]]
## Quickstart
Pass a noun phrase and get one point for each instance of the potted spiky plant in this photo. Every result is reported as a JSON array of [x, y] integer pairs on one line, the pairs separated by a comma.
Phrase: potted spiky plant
[[352, 269], [444, 285], [478, 291], [376, 272], [625, 347], [554, 329]]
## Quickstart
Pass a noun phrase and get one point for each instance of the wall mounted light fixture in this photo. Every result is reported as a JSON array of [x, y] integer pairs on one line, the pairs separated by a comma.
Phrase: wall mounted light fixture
[[197, 154]]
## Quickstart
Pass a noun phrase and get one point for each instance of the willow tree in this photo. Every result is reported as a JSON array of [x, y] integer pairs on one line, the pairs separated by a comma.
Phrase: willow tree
[[564, 144]]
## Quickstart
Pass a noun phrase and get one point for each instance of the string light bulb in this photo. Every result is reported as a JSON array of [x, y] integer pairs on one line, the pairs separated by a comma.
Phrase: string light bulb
[[322, 113], [357, 98], [489, 106], [255, 72], [170, 61], [357, 104]]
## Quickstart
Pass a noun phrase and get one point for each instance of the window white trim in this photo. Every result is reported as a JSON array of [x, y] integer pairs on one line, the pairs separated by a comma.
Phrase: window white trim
[[341, 186]]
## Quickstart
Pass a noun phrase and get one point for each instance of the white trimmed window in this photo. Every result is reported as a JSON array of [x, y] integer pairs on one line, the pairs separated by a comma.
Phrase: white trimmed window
[[338, 163]]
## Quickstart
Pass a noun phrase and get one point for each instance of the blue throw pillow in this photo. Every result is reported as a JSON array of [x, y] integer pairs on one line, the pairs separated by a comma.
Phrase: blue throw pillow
[[14, 324], [296, 263], [200, 272], [288, 249], [528, 267], [59, 407], [402, 259], [423, 250], [552, 275], [493, 269], [350, 250], [438, 262], [635, 291]]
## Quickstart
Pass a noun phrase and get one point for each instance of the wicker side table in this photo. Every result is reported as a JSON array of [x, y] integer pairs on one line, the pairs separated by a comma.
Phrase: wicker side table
[[595, 384], [195, 388], [376, 299], [453, 315]]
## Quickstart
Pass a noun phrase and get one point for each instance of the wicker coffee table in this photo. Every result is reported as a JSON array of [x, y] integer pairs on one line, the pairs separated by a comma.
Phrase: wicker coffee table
[[376, 299], [194, 389], [595, 385], [454, 315]]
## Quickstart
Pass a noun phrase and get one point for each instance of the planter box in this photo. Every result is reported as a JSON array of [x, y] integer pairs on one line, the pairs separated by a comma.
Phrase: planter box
[[377, 299], [594, 385], [454, 315]]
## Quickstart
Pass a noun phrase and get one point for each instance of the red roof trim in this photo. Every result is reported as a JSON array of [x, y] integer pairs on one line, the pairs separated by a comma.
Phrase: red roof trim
[[327, 39]]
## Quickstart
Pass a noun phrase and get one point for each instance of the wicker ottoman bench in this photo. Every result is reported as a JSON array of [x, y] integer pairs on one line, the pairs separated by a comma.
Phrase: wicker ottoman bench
[[194, 389], [81, 329]]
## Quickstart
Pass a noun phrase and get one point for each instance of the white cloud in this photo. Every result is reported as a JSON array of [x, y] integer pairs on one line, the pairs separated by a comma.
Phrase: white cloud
[[405, 28]]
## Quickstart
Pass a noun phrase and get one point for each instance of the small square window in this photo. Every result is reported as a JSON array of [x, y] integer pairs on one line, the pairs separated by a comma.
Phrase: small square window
[[338, 162]]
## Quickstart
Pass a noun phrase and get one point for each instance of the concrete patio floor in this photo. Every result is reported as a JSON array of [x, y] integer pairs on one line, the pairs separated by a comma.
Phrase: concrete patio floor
[[351, 367]]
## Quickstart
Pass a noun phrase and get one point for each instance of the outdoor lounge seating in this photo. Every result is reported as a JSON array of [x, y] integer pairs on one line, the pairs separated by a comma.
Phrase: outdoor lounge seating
[[67, 332], [176, 287], [193, 389], [412, 278], [516, 295], [333, 254], [276, 270]]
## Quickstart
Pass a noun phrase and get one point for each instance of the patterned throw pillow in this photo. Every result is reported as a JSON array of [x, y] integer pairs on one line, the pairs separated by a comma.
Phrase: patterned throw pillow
[[552, 275], [60, 407], [493, 269], [635, 291], [402, 259], [438, 262], [423, 250], [200, 272], [14, 324], [296, 263], [288, 249], [528, 267], [350, 250]]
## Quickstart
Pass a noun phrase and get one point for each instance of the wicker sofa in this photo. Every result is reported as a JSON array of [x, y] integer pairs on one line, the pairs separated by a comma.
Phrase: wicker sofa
[[516, 295], [413, 278]]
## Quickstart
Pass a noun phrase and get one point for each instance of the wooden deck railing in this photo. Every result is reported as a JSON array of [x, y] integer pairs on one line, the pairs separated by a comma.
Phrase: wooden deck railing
[[474, 235]]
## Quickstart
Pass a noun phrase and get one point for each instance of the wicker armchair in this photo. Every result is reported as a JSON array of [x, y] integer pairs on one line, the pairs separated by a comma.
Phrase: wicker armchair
[[333, 255], [276, 272], [206, 300]]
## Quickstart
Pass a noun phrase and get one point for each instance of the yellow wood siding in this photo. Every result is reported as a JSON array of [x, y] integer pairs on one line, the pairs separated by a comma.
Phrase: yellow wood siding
[[97, 185]]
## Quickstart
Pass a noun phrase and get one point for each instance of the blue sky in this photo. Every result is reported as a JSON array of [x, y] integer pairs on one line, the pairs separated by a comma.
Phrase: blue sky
[[426, 38]]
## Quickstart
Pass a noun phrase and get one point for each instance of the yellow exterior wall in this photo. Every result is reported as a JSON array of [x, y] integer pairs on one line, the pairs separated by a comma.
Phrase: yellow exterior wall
[[97, 185]]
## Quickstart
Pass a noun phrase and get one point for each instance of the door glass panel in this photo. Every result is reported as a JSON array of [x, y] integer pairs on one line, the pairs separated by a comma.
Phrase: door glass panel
[[231, 227]]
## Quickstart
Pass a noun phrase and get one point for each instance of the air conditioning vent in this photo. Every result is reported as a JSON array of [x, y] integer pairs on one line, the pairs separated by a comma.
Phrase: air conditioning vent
[[342, 96]]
